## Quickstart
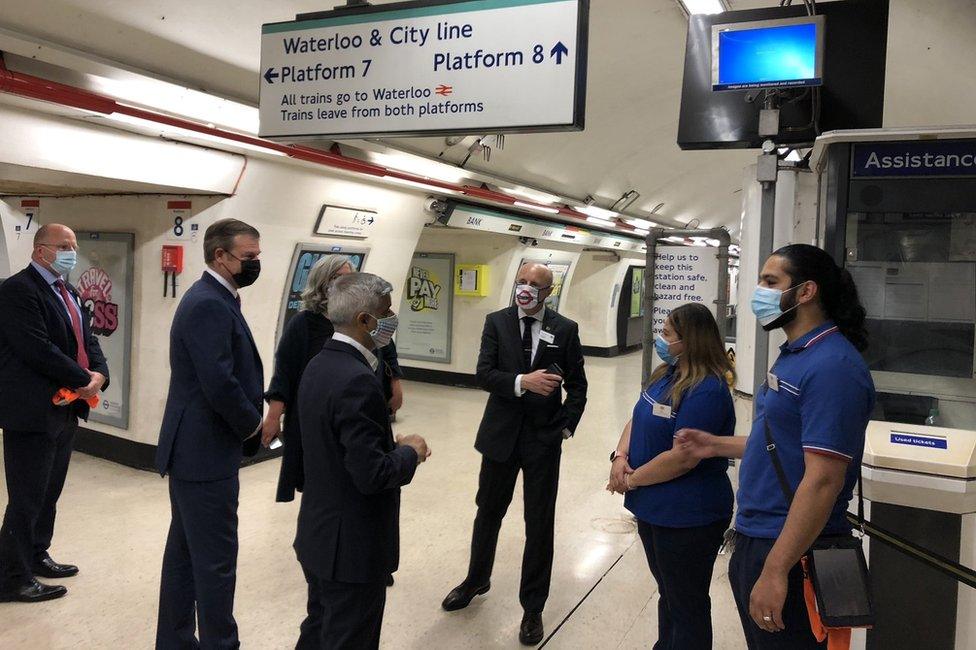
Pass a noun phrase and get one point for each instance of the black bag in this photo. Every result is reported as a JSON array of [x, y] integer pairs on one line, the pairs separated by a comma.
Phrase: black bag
[[836, 565]]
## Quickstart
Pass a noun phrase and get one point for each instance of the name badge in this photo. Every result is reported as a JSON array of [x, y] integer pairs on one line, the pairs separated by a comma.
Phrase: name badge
[[662, 411], [548, 337], [772, 381]]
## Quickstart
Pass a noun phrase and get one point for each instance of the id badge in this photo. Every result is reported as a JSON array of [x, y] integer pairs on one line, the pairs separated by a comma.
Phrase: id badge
[[548, 337], [662, 411], [772, 381]]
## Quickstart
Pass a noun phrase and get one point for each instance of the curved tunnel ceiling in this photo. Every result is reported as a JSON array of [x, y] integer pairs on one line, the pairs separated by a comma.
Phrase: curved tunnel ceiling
[[636, 50]]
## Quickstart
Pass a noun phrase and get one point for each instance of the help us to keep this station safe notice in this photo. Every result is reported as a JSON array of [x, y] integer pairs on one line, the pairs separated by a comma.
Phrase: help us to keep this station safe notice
[[463, 66]]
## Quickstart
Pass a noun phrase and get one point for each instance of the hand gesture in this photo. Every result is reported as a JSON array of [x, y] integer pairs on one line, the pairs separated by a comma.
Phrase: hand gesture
[[540, 382], [419, 445], [698, 444]]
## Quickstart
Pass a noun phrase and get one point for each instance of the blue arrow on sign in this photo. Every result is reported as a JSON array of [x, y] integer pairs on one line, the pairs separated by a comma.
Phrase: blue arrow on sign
[[270, 75], [558, 51]]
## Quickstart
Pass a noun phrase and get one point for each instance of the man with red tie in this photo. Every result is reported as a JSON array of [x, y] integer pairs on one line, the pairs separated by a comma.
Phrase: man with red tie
[[46, 344]]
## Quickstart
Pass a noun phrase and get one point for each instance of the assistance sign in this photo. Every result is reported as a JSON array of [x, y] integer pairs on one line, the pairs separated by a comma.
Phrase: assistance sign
[[471, 66]]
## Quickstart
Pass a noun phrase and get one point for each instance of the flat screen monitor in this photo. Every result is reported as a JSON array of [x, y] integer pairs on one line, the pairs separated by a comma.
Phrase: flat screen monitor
[[782, 53]]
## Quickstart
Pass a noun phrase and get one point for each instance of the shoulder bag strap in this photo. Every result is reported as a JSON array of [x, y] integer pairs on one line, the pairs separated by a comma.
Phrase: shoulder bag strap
[[784, 485]]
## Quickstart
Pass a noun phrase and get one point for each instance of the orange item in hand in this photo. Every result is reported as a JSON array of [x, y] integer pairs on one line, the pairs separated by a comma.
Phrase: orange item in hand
[[65, 396]]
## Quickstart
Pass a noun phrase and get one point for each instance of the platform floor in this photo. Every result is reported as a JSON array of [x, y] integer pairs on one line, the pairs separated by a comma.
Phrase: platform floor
[[112, 522]]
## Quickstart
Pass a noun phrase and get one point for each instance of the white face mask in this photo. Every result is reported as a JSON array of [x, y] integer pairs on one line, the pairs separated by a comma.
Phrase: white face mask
[[385, 329], [527, 296]]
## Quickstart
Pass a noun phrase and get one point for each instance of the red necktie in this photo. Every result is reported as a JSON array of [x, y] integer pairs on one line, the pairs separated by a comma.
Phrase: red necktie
[[82, 356]]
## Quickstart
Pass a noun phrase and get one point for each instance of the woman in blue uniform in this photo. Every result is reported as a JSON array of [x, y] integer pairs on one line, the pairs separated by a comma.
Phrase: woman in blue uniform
[[683, 505]]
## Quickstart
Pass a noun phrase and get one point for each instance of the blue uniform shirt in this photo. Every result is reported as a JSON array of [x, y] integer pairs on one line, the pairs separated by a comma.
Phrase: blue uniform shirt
[[703, 496], [822, 403]]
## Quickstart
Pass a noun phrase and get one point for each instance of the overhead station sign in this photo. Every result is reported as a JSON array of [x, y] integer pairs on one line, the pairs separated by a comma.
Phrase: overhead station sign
[[472, 217], [422, 68]]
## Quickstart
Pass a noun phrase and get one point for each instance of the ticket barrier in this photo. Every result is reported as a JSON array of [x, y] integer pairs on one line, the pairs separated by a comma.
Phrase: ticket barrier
[[920, 484]]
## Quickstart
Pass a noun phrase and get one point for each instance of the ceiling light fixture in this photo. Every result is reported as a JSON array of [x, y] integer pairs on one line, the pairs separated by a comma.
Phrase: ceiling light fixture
[[643, 224], [602, 222], [537, 208], [419, 166], [598, 213], [530, 194], [692, 7], [419, 185]]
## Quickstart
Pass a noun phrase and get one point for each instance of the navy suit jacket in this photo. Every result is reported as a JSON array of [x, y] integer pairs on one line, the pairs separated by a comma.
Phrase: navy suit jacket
[[349, 521], [215, 389], [37, 354], [501, 360]]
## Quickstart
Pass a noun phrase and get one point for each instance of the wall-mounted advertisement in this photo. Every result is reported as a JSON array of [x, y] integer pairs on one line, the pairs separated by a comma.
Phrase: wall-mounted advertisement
[[560, 270], [302, 261], [426, 309], [637, 293], [103, 278]]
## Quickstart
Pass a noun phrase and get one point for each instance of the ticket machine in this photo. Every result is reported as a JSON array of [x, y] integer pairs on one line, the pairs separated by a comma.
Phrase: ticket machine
[[898, 208]]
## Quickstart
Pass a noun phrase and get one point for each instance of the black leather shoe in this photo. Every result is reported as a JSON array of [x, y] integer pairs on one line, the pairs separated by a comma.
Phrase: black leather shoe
[[531, 632], [48, 568], [33, 592], [462, 595]]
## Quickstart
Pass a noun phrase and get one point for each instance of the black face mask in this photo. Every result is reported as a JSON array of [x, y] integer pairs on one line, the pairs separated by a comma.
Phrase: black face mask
[[250, 270]]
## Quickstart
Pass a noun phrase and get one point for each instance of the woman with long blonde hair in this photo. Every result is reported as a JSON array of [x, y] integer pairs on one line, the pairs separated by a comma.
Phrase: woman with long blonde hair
[[683, 505]]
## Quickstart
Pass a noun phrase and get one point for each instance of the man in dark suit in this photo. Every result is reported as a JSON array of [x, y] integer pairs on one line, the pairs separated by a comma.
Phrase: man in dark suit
[[46, 344], [212, 416], [348, 539], [524, 424]]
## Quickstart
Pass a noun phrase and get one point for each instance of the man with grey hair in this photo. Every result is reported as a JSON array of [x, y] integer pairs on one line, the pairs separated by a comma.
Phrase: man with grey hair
[[349, 521]]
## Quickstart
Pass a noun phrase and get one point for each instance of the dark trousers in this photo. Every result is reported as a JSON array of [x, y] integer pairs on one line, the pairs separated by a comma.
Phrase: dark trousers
[[36, 464], [200, 566], [744, 570], [342, 616], [681, 561], [539, 464]]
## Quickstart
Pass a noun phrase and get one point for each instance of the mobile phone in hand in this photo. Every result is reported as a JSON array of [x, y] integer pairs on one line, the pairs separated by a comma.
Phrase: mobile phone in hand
[[275, 444], [554, 369]]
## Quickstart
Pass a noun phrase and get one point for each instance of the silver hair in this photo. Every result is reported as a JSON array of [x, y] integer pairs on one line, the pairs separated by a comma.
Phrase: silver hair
[[315, 297], [353, 294]]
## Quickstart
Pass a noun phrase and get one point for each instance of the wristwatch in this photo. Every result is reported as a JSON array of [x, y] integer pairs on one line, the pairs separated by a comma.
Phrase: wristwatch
[[614, 455]]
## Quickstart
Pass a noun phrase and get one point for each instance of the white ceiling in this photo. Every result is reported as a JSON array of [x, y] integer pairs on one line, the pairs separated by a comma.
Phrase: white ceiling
[[636, 51]]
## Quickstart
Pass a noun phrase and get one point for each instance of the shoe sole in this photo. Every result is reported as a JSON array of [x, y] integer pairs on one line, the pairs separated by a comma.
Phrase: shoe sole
[[481, 592]]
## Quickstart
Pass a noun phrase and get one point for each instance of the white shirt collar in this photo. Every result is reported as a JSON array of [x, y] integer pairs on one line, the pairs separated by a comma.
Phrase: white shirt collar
[[539, 317], [370, 357], [227, 285]]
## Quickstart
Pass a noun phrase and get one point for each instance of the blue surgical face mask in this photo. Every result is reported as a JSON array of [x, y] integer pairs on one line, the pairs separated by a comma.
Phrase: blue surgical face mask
[[766, 306], [663, 349], [64, 262]]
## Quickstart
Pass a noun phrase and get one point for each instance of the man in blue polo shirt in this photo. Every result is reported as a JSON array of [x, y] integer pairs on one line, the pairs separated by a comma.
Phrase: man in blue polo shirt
[[816, 403]]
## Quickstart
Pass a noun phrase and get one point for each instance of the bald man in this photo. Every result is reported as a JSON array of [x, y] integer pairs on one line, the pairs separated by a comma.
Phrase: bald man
[[46, 343], [529, 356]]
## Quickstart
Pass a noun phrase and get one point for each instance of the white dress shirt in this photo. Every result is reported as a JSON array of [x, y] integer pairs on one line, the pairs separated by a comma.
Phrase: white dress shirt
[[223, 281], [370, 357], [536, 330]]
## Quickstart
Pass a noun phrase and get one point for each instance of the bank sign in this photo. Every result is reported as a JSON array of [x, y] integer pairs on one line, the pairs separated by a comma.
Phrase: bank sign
[[934, 158], [426, 68]]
